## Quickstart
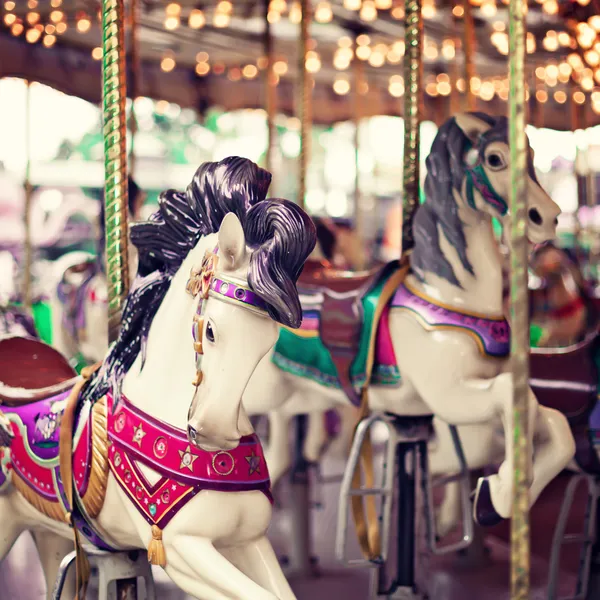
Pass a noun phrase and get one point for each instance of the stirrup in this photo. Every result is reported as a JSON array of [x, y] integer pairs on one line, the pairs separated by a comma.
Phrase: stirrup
[[587, 538], [465, 493]]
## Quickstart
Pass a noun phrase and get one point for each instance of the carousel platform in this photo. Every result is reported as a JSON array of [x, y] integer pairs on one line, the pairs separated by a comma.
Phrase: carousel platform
[[21, 576]]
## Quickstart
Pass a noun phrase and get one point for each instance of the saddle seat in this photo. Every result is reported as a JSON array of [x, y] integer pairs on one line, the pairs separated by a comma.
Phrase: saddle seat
[[326, 278], [341, 315], [31, 371]]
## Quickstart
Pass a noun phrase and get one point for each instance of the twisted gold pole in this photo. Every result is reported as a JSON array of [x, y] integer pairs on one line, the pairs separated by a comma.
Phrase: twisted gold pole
[[27, 299], [270, 90], [520, 546], [469, 50], [136, 71], [304, 100], [115, 160], [413, 67], [359, 80]]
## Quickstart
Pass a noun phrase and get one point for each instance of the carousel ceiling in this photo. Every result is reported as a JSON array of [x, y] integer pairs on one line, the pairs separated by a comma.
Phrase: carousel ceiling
[[212, 53]]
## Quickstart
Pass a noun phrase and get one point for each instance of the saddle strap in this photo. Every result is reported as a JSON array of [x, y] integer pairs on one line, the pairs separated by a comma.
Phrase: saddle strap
[[82, 565], [366, 521]]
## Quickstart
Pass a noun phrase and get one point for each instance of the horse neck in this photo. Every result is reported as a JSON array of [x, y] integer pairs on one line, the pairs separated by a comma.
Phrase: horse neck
[[482, 291], [164, 388]]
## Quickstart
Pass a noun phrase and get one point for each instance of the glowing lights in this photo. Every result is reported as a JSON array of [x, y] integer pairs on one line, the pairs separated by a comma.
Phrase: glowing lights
[[579, 97], [396, 86], [49, 41], [363, 52], [17, 29], [9, 19], [280, 68], [250, 71], [61, 27], [377, 58], [32, 18], [313, 62], [352, 4], [9, 5], [429, 10], [167, 64], [368, 11], [488, 9], [541, 96], [84, 24], [172, 23], [448, 49], [550, 7], [383, 4], [97, 53], [560, 97], [196, 20], [323, 12], [342, 58], [56, 16], [341, 87], [458, 11], [33, 35]]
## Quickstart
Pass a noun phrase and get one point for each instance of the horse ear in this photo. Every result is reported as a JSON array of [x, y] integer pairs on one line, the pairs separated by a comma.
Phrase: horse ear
[[471, 125], [232, 242]]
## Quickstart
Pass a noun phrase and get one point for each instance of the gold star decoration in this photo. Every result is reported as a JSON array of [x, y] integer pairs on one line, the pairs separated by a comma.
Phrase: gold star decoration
[[253, 463], [138, 435], [187, 458]]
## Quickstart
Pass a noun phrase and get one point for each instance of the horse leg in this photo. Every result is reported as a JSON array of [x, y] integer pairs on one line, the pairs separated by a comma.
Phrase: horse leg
[[200, 570], [277, 453], [52, 549], [316, 436], [10, 526], [258, 561], [554, 449]]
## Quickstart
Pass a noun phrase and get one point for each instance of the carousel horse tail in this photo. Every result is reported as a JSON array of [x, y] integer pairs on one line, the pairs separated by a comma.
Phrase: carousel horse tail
[[82, 565], [6, 433]]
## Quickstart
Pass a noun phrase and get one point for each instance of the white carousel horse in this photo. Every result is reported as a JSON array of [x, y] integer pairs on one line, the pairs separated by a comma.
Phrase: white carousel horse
[[111, 455], [13, 319], [439, 336], [564, 372]]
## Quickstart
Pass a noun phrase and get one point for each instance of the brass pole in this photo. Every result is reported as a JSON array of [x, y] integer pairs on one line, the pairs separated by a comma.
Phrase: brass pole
[[469, 50], [115, 160], [304, 100], [413, 67], [520, 542], [136, 71], [27, 299], [270, 91], [359, 80]]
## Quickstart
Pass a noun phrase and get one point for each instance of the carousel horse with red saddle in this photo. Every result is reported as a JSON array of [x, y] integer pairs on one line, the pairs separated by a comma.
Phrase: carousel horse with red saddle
[[426, 336], [109, 459]]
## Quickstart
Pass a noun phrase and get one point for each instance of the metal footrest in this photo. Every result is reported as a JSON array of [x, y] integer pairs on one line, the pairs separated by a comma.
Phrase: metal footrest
[[587, 538], [111, 567], [465, 492]]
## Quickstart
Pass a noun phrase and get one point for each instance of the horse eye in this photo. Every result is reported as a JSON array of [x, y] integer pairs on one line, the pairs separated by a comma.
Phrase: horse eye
[[495, 161], [210, 334]]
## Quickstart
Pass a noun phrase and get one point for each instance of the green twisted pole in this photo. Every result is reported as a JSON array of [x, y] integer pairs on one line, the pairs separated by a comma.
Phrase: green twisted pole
[[520, 542], [115, 160]]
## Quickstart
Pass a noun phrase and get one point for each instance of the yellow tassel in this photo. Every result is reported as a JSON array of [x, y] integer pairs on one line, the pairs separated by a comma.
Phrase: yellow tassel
[[156, 550]]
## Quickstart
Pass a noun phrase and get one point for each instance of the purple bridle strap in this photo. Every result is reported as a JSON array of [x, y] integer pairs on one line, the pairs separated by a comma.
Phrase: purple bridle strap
[[238, 293]]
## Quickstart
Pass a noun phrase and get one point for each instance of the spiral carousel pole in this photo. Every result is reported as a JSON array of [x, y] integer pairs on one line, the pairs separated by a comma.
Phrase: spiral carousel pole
[[469, 54], [27, 299], [115, 159], [300, 562], [520, 542], [136, 70], [413, 75], [270, 89]]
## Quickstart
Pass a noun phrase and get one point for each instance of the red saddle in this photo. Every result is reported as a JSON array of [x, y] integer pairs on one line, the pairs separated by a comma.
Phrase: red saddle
[[341, 317], [31, 370]]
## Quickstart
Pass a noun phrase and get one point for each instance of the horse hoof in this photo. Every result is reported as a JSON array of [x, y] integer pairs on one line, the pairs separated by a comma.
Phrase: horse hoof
[[484, 513]]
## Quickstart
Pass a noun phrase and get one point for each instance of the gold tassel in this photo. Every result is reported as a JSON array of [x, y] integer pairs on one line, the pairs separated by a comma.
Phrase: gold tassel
[[156, 550]]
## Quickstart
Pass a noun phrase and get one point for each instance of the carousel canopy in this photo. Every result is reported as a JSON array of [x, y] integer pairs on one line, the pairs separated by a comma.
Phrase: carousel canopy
[[212, 53]]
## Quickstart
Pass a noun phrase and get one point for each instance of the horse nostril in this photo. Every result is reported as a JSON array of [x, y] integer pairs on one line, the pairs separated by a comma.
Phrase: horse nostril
[[556, 221], [535, 216], [191, 432]]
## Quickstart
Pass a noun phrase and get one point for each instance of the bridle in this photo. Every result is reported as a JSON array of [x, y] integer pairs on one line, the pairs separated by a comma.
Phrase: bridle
[[477, 178], [207, 281]]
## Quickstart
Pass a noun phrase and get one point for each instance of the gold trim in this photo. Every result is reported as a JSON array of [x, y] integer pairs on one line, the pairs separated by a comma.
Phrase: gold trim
[[454, 309], [214, 460], [52, 510], [93, 499]]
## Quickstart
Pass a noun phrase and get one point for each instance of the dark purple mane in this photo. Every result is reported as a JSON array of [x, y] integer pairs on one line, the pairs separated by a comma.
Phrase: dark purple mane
[[280, 234], [445, 176]]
